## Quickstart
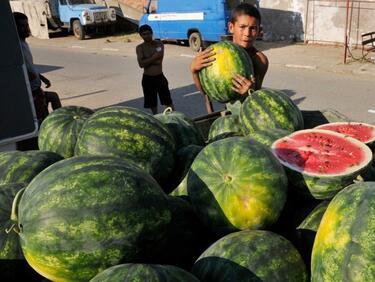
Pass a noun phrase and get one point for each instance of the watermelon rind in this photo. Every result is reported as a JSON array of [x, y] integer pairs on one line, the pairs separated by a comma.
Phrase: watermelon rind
[[236, 183], [251, 255], [132, 272], [183, 129], [216, 80], [267, 109], [22, 167], [85, 214], [225, 126], [59, 131], [312, 221], [320, 185], [344, 244], [129, 133], [268, 136]]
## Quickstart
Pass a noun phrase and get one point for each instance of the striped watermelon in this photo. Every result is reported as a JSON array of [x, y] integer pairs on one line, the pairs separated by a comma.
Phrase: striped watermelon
[[216, 79], [267, 109], [132, 134], [22, 167], [224, 126], [9, 243], [236, 183], [182, 128], [59, 131], [321, 162], [185, 239], [251, 255], [268, 136], [13, 266], [184, 158], [85, 214], [312, 221], [344, 244], [132, 272]]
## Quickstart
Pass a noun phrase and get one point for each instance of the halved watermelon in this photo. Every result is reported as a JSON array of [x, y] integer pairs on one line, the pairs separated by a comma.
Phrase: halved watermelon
[[322, 161], [363, 132]]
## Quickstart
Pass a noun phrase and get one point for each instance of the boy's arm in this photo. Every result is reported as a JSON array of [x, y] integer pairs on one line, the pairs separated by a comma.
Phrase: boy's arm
[[202, 59], [45, 81], [143, 63]]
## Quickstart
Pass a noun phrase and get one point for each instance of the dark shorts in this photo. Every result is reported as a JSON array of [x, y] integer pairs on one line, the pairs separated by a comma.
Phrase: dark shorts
[[154, 86]]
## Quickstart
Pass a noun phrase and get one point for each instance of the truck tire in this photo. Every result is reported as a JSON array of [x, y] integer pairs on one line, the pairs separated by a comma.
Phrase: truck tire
[[78, 30], [195, 41]]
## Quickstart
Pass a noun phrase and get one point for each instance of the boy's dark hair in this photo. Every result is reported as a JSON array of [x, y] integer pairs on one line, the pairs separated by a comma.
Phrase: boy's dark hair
[[19, 16], [245, 9], [144, 28]]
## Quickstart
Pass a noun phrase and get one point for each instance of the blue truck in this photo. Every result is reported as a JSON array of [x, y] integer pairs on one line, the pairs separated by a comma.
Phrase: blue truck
[[193, 22], [79, 16]]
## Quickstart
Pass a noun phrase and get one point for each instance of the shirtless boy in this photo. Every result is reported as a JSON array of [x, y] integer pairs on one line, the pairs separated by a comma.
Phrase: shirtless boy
[[150, 55]]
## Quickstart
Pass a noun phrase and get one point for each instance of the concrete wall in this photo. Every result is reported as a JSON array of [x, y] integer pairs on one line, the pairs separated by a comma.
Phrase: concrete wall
[[36, 12], [324, 21]]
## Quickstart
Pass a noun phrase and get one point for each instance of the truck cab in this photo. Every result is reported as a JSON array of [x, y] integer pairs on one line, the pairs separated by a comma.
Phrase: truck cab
[[195, 22], [80, 16]]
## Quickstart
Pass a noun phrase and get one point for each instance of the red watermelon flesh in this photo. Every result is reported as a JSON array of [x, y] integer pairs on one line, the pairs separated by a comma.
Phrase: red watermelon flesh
[[321, 152], [361, 131]]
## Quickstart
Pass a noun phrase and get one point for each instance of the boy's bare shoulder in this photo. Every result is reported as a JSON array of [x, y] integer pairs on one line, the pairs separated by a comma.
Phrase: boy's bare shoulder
[[262, 58], [140, 46]]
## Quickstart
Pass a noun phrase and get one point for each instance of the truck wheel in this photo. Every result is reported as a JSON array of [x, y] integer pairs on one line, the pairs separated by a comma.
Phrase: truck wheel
[[195, 41], [78, 30]]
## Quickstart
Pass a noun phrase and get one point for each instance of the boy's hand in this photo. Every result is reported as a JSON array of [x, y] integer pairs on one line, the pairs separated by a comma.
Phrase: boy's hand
[[202, 60], [47, 83], [242, 85]]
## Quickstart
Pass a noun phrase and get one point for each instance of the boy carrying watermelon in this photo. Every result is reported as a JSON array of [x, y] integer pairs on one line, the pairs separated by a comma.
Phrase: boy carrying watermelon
[[245, 27]]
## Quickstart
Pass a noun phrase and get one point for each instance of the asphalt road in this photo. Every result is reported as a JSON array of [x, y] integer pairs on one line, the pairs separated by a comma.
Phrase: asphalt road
[[102, 77]]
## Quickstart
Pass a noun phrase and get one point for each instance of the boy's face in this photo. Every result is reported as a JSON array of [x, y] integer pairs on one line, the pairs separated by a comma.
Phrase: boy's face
[[245, 30], [146, 36]]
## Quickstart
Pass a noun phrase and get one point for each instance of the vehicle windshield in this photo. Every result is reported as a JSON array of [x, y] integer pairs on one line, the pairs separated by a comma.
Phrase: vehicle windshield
[[79, 2]]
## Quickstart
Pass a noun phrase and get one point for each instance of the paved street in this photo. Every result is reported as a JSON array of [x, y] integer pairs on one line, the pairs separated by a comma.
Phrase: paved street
[[96, 74]]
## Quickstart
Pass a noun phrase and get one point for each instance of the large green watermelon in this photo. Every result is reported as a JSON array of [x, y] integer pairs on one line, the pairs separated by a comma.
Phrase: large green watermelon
[[225, 125], [59, 131], [345, 243], [185, 239], [321, 162], [13, 266], [22, 167], [9, 242], [184, 158], [85, 214], [182, 128], [216, 80], [251, 255], [133, 272], [130, 134], [236, 183], [267, 109]]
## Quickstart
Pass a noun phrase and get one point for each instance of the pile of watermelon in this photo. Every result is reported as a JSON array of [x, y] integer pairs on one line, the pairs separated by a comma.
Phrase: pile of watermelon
[[121, 195]]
